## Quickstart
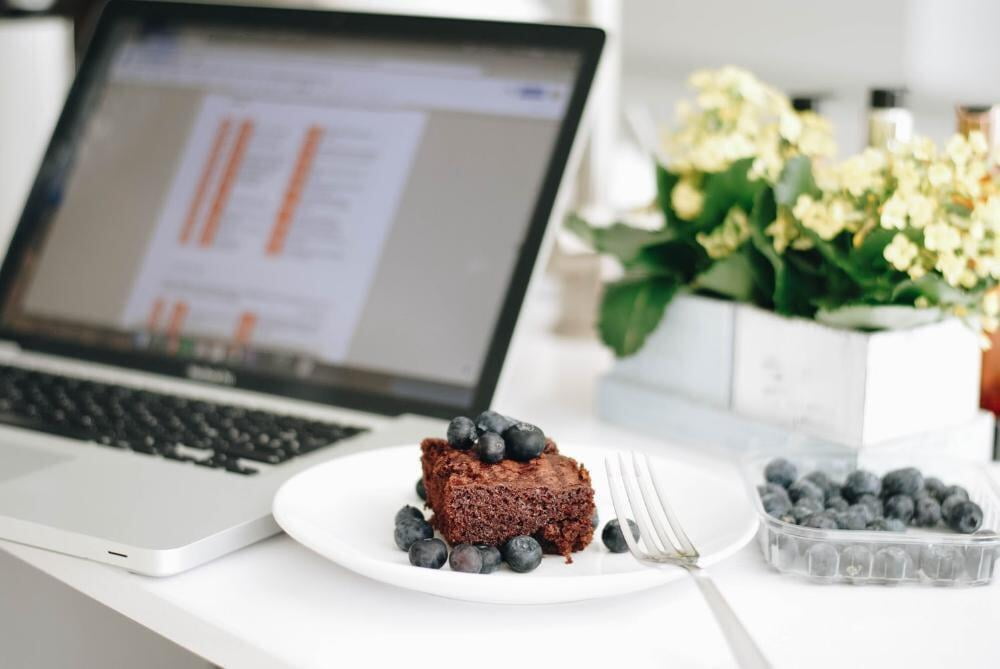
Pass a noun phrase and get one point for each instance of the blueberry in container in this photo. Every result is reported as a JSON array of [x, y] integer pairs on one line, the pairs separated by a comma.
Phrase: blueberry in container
[[960, 549]]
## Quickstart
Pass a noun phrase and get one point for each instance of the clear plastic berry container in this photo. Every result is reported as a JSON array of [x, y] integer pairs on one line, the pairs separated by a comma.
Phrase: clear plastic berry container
[[936, 556]]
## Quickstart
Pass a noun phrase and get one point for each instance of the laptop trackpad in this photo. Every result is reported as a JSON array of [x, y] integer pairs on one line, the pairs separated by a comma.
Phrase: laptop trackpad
[[17, 461]]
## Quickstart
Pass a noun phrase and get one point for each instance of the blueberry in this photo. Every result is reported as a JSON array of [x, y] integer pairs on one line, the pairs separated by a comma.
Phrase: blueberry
[[421, 490], [429, 553], [887, 525], [491, 558], [408, 512], [863, 511], [466, 558], [899, 506], [461, 433], [491, 421], [941, 563], [948, 506], [861, 482], [965, 517], [805, 488], [927, 512], [892, 563], [934, 487], [524, 442], [855, 518], [954, 490], [820, 521], [490, 448], [906, 481], [829, 487], [856, 562], [522, 554], [837, 503], [411, 530], [613, 537], [873, 503], [821, 560], [780, 471], [595, 519], [775, 504], [772, 487], [806, 508]]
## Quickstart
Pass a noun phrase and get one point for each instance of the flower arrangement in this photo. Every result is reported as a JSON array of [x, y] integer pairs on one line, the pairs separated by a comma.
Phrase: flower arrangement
[[755, 209]]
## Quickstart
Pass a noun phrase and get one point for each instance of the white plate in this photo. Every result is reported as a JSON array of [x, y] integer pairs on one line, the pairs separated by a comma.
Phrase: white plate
[[344, 509]]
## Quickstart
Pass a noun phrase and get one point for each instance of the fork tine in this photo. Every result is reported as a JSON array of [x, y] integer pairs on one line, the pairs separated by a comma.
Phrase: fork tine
[[621, 509], [675, 524], [653, 506], [640, 513]]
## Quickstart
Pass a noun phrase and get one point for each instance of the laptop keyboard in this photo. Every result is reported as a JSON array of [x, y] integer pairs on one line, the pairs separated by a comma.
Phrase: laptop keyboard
[[207, 434]]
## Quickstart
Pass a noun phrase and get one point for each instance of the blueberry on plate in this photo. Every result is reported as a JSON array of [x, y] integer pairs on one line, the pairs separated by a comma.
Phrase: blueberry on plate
[[410, 530], [935, 487], [855, 518], [861, 482], [780, 471], [613, 538], [408, 512], [461, 433], [900, 507], [927, 512], [522, 554], [490, 448], [805, 488], [421, 490], [863, 511], [524, 442], [492, 559], [428, 553], [905, 481], [466, 558], [491, 421], [965, 517], [886, 525], [773, 487], [830, 488], [776, 505]]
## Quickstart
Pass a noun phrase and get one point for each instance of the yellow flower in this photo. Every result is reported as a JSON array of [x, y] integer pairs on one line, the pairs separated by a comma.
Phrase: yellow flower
[[978, 144], [939, 174], [686, 199], [991, 303], [916, 271], [728, 236], [901, 252], [941, 237], [951, 267], [920, 209], [958, 149], [894, 214]]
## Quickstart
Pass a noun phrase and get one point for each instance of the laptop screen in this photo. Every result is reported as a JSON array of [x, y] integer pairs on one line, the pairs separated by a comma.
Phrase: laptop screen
[[342, 211]]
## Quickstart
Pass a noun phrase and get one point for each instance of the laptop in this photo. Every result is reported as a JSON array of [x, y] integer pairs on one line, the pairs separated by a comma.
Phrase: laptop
[[261, 238]]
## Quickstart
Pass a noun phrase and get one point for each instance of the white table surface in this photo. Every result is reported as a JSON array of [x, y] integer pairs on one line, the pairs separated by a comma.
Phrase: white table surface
[[278, 604]]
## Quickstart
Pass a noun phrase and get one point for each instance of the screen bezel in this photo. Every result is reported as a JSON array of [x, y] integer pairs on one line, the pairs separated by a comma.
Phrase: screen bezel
[[587, 41]]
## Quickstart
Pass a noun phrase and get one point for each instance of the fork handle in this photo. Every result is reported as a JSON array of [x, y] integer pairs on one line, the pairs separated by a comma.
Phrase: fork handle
[[744, 649]]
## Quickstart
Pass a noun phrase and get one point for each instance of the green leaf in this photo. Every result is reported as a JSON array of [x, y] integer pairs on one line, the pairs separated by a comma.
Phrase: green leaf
[[665, 182], [732, 277], [796, 178], [620, 240], [793, 288], [724, 190], [632, 308], [682, 258]]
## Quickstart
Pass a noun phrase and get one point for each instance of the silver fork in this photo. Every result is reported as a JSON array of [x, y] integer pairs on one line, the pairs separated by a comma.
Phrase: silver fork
[[664, 542]]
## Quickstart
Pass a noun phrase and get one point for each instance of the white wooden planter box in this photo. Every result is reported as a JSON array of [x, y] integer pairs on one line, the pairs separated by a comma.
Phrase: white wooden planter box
[[839, 386]]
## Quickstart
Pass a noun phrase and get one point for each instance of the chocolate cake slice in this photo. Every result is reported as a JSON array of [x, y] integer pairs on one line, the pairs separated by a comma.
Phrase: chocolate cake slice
[[549, 498]]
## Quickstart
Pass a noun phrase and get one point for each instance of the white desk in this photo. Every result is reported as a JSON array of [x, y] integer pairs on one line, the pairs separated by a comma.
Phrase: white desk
[[276, 603]]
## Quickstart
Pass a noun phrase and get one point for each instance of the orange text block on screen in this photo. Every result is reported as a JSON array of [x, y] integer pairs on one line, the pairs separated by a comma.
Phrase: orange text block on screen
[[226, 185], [214, 154], [300, 174]]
